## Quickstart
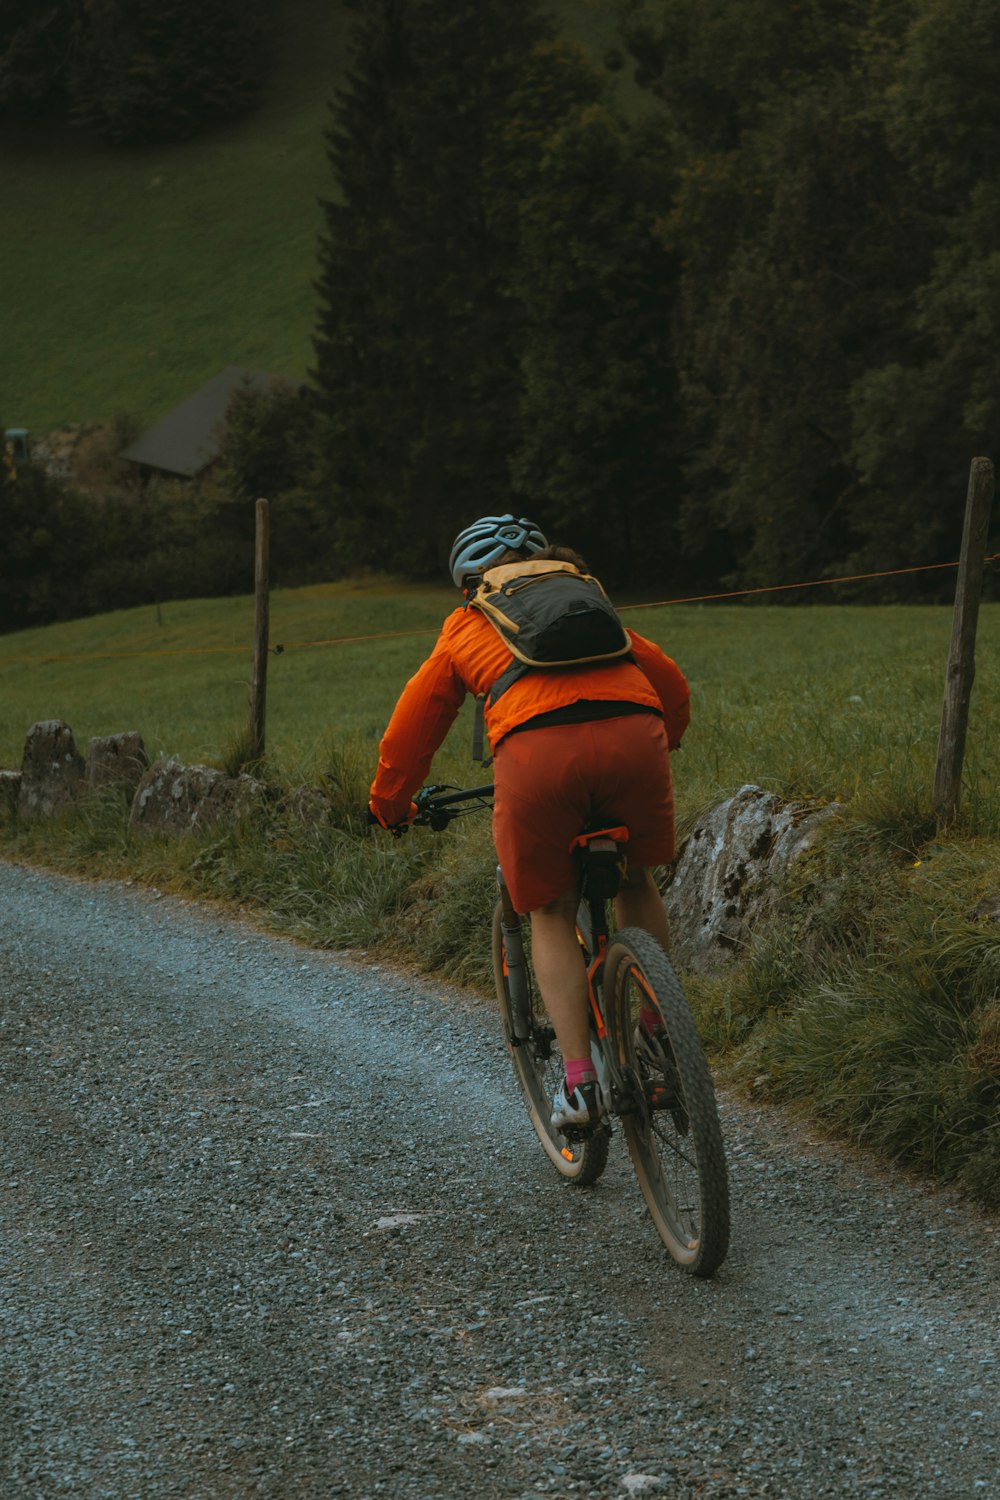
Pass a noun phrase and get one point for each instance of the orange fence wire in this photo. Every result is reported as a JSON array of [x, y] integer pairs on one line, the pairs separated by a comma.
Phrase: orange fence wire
[[387, 635], [812, 583]]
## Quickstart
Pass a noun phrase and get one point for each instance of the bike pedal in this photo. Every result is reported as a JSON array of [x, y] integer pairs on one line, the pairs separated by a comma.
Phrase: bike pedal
[[577, 1134]]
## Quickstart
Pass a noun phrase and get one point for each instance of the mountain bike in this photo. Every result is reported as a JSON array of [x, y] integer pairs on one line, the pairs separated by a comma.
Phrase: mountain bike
[[644, 1043]]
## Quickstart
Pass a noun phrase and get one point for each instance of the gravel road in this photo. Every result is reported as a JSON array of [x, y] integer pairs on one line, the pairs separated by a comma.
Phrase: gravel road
[[275, 1224]]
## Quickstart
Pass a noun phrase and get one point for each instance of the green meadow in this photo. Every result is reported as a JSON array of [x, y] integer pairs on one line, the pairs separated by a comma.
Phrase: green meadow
[[823, 701], [872, 1003], [133, 276], [179, 674]]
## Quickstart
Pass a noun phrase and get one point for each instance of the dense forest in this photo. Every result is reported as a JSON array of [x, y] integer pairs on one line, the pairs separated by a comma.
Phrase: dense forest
[[742, 328], [719, 307]]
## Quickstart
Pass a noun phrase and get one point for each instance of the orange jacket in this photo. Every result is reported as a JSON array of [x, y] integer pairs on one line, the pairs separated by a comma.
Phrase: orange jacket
[[468, 658]]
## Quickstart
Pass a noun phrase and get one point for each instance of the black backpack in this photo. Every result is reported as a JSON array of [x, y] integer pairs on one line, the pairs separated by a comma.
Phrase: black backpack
[[548, 614]]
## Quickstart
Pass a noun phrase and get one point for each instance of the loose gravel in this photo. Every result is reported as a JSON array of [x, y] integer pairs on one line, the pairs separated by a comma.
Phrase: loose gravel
[[274, 1223]]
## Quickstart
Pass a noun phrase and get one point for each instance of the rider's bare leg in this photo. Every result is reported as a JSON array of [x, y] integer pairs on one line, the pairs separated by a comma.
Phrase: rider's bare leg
[[556, 956], [557, 960], [639, 904]]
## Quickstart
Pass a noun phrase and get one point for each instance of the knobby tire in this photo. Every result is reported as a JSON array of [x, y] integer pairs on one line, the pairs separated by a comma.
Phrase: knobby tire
[[669, 1115]]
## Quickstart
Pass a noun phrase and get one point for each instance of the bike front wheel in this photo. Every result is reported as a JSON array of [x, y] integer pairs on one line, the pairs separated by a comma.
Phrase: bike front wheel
[[538, 1062], [669, 1113]]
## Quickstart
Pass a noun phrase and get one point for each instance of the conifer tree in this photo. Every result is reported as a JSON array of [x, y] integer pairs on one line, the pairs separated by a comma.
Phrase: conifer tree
[[416, 346], [596, 446], [799, 245], [933, 402]]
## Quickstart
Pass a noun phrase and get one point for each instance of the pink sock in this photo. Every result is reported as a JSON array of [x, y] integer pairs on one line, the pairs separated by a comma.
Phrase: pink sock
[[579, 1070], [649, 1019]]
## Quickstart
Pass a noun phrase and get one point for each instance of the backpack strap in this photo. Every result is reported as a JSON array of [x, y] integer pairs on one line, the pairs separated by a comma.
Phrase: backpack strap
[[507, 679], [478, 731]]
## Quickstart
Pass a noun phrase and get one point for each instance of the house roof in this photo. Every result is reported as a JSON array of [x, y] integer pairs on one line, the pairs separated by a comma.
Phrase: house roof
[[188, 438]]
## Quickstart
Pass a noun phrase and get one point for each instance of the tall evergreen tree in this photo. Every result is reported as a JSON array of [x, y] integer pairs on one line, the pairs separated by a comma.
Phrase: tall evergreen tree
[[800, 243], [932, 403], [597, 444], [416, 347]]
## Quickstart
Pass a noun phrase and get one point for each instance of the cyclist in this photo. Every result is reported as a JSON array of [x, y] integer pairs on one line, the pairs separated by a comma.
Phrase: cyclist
[[571, 745]]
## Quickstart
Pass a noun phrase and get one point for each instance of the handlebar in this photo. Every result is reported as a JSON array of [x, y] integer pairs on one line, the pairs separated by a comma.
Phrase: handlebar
[[438, 805]]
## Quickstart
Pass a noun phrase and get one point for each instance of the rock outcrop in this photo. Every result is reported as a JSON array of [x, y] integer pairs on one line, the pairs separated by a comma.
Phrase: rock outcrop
[[309, 805], [732, 872], [52, 771], [180, 798], [116, 760]]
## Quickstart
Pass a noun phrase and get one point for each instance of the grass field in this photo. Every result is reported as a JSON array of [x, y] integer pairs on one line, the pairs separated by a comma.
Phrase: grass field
[[873, 1002], [180, 674], [819, 701], [131, 277]]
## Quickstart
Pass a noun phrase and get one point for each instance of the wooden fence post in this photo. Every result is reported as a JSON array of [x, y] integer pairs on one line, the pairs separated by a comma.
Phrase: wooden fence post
[[962, 653], [261, 625]]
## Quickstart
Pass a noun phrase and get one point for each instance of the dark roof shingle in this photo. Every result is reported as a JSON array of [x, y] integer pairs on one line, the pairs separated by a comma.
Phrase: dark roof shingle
[[187, 439]]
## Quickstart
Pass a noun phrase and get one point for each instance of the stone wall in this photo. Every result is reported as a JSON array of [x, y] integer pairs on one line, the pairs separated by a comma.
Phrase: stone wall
[[166, 795], [54, 774], [732, 872], [52, 770], [116, 760], [181, 798]]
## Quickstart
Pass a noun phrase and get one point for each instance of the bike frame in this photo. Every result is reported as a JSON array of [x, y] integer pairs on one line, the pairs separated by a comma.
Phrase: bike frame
[[592, 931], [680, 1165], [438, 805]]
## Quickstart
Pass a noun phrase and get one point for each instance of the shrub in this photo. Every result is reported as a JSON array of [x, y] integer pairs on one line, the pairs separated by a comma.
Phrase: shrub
[[50, 540], [36, 39], [161, 70], [268, 451]]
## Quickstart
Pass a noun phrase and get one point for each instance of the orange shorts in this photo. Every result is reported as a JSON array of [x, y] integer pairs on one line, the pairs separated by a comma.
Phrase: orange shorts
[[550, 782]]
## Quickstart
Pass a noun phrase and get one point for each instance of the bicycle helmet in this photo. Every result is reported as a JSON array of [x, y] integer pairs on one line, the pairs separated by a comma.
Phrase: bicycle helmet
[[489, 538]]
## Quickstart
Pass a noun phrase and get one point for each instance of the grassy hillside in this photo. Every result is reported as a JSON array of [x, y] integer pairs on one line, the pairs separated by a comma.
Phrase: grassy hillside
[[179, 674], [135, 275], [132, 276]]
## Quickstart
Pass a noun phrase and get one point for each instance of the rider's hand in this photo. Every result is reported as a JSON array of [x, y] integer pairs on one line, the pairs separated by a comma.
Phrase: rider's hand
[[396, 829]]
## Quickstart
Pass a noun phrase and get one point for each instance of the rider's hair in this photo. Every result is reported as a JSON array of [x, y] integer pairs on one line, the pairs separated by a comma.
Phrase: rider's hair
[[546, 554], [562, 555]]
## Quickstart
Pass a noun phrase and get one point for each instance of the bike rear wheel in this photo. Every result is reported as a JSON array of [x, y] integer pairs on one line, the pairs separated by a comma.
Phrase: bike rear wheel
[[538, 1067], [669, 1113]]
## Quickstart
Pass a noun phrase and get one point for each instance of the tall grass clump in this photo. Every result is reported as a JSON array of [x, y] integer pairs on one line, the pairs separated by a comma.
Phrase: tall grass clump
[[874, 1002], [310, 867], [449, 922], [326, 886]]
